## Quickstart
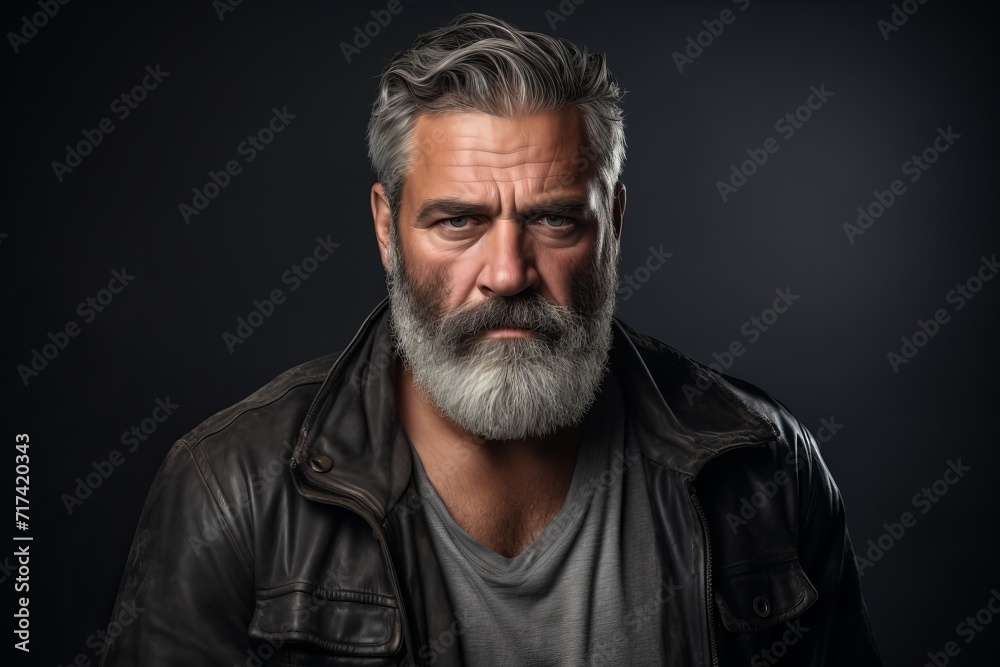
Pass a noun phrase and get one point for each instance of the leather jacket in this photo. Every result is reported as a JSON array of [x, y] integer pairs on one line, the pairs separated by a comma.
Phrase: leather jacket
[[285, 530]]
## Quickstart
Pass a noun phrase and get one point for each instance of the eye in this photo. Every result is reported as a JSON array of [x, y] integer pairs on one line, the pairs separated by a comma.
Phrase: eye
[[560, 222], [457, 222]]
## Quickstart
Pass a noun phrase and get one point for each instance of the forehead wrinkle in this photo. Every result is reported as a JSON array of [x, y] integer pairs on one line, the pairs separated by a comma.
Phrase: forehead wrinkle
[[474, 132], [490, 190], [540, 169], [493, 164], [494, 159], [483, 151], [491, 178]]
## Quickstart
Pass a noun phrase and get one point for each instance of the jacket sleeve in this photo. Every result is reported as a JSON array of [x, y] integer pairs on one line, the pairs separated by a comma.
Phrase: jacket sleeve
[[838, 622], [187, 594]]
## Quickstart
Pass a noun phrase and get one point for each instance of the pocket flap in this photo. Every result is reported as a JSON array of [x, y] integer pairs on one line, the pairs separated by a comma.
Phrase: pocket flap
[[344, 622], [759, 598]]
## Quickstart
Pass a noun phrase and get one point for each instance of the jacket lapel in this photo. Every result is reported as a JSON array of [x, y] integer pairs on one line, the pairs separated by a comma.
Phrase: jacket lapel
[[351, 447]]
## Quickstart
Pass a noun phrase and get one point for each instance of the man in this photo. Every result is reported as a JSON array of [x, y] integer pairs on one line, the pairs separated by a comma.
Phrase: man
[[496, 471]]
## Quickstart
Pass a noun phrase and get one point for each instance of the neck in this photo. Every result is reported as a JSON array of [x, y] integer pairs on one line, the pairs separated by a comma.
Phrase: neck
[[474, 476]]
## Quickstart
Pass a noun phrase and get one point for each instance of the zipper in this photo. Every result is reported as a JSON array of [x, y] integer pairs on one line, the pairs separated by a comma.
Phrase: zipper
[[709, 605], [709, 594], [349, 501], [359, 507]]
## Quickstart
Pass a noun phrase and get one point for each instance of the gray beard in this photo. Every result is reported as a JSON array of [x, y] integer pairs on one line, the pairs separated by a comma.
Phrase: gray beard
[[506, 388]]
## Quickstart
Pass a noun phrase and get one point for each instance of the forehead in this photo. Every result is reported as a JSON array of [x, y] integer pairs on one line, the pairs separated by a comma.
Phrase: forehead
[[539, 151]]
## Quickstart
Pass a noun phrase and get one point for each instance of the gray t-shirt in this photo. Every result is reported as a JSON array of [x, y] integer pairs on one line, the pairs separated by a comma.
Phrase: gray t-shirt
[[580, 594]]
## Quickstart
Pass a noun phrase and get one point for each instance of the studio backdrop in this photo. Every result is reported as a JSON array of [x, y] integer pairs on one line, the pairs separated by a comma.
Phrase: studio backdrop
[[811, 208]]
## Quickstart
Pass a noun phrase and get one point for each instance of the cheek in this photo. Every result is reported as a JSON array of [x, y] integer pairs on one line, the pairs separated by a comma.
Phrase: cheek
[[429, 289], [565, 271], [461, 279]]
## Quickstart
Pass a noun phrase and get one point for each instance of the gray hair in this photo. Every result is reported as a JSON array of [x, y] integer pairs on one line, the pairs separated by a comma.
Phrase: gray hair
[[480, 63]]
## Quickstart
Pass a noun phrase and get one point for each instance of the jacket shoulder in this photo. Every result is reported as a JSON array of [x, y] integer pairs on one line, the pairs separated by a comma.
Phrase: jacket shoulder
[[711, 401], [276, 409]]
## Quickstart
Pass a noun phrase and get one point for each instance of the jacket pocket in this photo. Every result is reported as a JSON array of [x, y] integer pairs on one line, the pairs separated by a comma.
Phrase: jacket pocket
[[346, 623], [754, 597]]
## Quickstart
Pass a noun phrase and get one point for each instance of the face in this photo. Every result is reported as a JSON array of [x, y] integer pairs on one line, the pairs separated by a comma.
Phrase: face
[[502, 270]]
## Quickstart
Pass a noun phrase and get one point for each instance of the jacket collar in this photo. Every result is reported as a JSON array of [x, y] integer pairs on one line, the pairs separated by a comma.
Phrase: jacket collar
[[351, 446], [683, 413]]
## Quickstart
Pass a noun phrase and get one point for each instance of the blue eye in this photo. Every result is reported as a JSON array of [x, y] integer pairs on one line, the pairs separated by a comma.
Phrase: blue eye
[[456, 223], [556, 220]]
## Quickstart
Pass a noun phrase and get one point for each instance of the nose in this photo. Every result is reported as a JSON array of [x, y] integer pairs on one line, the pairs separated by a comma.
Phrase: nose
[[509, 263]]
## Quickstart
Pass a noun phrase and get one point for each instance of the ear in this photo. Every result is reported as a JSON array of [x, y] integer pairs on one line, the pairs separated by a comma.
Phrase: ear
[[618, 209], [383, 218]]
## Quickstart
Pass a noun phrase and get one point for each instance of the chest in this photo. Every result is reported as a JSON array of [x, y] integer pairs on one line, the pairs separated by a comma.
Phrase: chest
[[504, 518]]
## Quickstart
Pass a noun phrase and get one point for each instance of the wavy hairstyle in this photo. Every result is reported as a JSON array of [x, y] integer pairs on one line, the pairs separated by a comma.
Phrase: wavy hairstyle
[[480, 63]]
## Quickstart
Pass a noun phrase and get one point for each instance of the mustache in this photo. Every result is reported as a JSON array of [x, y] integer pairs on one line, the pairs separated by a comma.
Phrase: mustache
[[525, 311]]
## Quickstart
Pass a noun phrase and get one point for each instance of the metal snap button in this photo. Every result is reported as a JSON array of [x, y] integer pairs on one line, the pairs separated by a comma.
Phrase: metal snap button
[[761, 606], [320, 462]]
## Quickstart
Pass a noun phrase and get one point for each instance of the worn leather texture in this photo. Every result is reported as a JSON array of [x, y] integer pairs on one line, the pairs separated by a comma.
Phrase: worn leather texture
[[285, 530]]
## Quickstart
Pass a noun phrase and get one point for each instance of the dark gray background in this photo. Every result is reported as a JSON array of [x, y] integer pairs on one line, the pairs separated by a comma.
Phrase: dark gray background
[[825, 357]]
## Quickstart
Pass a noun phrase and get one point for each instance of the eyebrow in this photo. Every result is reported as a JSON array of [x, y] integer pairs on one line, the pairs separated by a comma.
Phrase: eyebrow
[[453, 206]]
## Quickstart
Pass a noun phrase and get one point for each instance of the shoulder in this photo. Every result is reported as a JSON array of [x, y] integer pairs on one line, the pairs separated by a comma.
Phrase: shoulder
[[245, 440], [705, 400], [263, 424], [219, 476], [764, 480]]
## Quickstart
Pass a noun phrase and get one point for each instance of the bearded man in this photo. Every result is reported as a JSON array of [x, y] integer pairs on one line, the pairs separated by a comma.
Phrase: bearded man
[[496, 471]]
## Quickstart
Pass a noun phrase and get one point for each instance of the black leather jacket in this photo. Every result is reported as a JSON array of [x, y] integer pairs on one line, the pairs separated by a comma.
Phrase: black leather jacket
[[285, 530]]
